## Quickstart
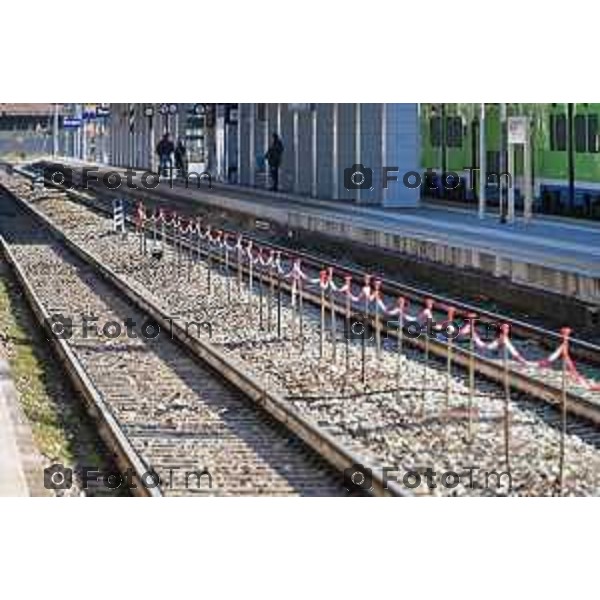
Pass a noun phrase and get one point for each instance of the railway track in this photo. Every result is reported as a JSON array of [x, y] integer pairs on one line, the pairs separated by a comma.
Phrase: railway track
[[378, 420], [159, 410], [580, 348], [530, 339]]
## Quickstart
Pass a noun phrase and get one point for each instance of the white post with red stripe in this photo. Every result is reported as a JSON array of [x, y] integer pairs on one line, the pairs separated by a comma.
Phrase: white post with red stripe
[[504, 331], [565, 333]]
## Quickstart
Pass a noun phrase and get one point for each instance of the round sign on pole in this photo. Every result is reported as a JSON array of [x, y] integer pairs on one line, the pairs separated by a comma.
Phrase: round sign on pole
[[198, 109], [164, 109], [173, 109], [149, 111]]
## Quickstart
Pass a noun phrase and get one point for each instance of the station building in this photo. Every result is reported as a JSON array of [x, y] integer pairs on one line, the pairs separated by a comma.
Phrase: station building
[[328, 147]]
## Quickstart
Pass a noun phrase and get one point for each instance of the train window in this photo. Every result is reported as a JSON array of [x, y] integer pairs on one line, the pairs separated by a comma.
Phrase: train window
[[435, 131], [560, 135], [592, 133], [552, 129], [492, 161], [454, 132], [580, 133]]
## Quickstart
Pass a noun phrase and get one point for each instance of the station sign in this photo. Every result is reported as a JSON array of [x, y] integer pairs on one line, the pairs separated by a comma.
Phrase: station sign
[[102, 112], [89, 115], [71, 122], [517, 130]]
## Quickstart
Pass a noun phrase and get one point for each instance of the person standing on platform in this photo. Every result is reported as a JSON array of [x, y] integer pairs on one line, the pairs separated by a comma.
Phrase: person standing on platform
[[181, 159], [164, 149], [273, 156]]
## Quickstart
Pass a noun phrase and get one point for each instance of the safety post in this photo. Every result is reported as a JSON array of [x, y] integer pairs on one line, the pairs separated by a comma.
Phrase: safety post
[[363, 351], [294, 300], [227, 272], [209, 262], [250, 277], [220, 260], [250, 269], [428, 307], [505, 329], [472, 318], [139, 221], [377, 296], [198, 240], [332, 306], [271, 292], [179, 240], [190, 250], [143, 228], [450, 340], [174, 234], [155, 218], [565, 333], [301, 308], [278, 256], [239, 250], [348, 286], [401, 304], [323, 286], [259, 266]]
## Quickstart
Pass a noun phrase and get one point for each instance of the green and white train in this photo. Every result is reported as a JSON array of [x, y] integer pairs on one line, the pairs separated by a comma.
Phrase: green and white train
[[565, 153]]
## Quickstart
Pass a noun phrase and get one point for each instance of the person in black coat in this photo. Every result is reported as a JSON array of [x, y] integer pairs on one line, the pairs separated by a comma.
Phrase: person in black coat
[[273, 156], [180, 158], [164, 149]]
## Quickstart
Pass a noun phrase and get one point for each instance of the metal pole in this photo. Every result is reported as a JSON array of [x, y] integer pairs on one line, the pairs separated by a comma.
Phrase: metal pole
[[506, 397], [449, 361], [55, 132], [571, 154], [278, 304], [348, 309], [563, 432], [261, 299], [296, 133], [502, 161], [333, 322], [511, 182], [364, 342], [301, 314], [271, 294], [334, 161], [528, 199], [227, 273], [443, 149], [314, 150], [83, 137], [399, 348], [377, 320], [563, 429], [471, 318], [322, 332], [151, 144], [482, 163]]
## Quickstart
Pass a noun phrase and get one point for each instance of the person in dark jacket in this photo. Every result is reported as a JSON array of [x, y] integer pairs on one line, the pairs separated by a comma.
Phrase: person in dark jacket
[[273, 157], [180, 158], [165, 149]]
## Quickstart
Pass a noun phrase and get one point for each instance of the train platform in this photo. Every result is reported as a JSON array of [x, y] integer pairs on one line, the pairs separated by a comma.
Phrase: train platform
[[552, 254], [21, 469]]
